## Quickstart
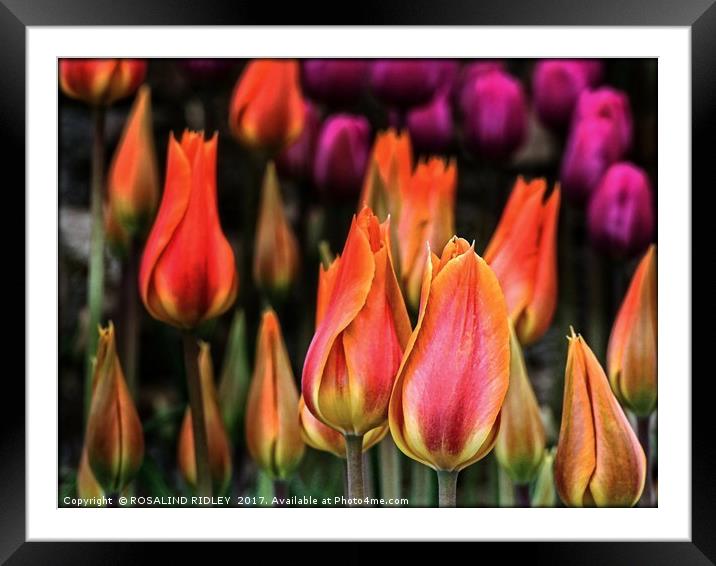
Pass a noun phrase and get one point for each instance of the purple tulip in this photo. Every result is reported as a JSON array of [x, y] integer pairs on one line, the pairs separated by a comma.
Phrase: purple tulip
[[620, 217], [495, 114], [297, 159], [334, 81], [404, 83], [342, 154], [431, 126], [592, 146], [609, 104], [468, 74], [556, 86]]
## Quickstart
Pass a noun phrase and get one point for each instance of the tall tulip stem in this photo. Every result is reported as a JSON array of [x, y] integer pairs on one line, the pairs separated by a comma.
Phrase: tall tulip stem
[[354, 464], [643, 432], [447, 489], [198, 422], [95, 277]]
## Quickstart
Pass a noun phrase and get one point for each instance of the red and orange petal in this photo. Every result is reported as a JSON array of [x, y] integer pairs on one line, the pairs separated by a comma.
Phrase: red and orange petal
[[632, 352], [101, 81], [445, 412]]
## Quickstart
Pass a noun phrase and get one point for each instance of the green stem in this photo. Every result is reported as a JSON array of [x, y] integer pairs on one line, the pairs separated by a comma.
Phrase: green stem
[[390, 479], [95, 277], [522, 496], [643, 430], [354, 466], [447, 489], [198, 422]]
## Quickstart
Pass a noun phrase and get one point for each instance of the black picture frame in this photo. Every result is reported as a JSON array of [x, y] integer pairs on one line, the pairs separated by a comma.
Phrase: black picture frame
[[698, 15]]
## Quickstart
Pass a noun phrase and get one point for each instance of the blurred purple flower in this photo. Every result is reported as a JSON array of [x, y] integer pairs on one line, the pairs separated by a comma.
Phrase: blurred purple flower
[[297, 159], [608, 104], [468, 74], [495, 114], [342, 154], [620, 217], [593, 145], [406, 82], [431, 126], [334, 81]]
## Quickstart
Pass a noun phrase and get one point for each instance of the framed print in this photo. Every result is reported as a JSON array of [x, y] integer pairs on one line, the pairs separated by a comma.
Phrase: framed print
[[421, 278]]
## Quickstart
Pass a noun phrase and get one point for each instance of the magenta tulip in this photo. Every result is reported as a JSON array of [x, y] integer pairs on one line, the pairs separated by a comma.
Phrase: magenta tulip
[[405, 83], [431, 126], [611, 105]]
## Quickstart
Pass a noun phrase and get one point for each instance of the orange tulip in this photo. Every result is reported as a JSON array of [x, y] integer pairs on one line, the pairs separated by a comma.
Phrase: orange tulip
[[521, 440], [427, 215], [267, 108], [599, 459], [388, 173], [275, 247], [114, 439], [631, 356], [523, 253], [321, 437], [273, 437], [347, 378], [101, 81], [217, 439], [445, 407], [87, 485], [187, 275], [133, 179]]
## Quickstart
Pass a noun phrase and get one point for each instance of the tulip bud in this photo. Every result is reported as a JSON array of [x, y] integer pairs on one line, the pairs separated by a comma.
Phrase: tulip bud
[[611, 105], [342, 154], [445, 410], [347, 380], [592, 146], [87, 486], [427, 215], [133, 179], [521, 440], [334, 81], [275, 246], [267, 110], [100, 82], [273, 436], [187, 274], [296, 160], [620, 216], [405, 82], [324, 438], [469, 73], [556, 86], [523, 253], [388, 174], [218, 441], [495, 120], [431, 126], [631, 355], [599, 460], [543, 493], [114, 440]]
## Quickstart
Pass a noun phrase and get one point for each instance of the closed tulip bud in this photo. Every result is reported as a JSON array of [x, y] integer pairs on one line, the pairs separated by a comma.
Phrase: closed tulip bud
[[114, 439], [267, 109], [611, 105], [620, 217], [347, 380], [296, 160], [334, 81], [431, 126], [631, 355], [133, 179], [544, 494], [556, 86], [521, 440], [87, 485], [469, 73], [599, 460], [187, 274], [100, 82], [324, 438], [405, 82], [592, 146], [275, 246], [341, 154], [523, 253], [273, 435], [445, 410], [389, 173], [217, 439], [495, 120], [427, 215]]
